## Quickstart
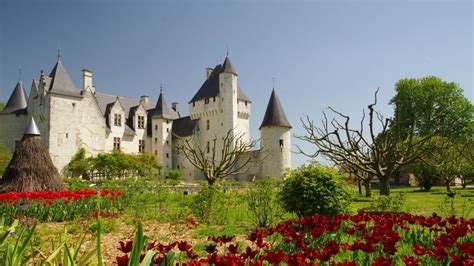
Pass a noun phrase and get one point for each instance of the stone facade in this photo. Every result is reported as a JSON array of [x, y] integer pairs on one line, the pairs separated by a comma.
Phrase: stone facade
[[70, 118]]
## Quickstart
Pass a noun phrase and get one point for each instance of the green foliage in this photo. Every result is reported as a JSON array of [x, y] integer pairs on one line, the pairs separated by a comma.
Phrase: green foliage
[[262, 202], [14, 243], [2, 105], [392, 203], [435, 106], [113, 164], [175, 174], [314, 189], [210, 205], [5, 157]]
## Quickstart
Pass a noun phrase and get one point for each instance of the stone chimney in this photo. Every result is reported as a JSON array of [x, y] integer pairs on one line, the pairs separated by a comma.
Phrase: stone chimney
[[175, 106], [87, 80], [144, 99], [208, 72]]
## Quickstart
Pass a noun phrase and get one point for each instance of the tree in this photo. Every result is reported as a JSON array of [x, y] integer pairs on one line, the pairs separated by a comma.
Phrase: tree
[[79, 166], [5, 157], [435, 107], [361, 177], [2, 105], [432, 106], [221, 158], [378, 154]]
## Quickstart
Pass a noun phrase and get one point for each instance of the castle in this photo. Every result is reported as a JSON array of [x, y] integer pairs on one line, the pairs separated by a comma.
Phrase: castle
[[70, 118]]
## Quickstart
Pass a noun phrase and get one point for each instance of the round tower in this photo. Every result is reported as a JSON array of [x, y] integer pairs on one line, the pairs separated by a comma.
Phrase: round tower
[[275, 140]]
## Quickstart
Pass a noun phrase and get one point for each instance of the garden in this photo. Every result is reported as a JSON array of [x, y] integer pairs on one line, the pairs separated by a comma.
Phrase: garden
[[119, 209]]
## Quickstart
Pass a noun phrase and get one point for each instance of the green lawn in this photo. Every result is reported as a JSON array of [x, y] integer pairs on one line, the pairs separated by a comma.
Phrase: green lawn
[[425, 203]]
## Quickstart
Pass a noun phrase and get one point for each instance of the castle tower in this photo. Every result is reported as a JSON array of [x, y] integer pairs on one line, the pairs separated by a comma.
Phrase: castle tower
[[162, 121], [13, 117], [275, 139]]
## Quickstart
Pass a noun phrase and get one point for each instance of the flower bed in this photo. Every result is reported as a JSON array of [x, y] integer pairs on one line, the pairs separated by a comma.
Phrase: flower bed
[[58, 205], [361, 239]]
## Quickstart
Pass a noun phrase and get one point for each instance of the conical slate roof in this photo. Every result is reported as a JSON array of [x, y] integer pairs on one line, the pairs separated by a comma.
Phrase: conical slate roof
[[210, 87], [32, 128], [228, 67], [17, 102], [274, 115], [162, 110], [61, 82]]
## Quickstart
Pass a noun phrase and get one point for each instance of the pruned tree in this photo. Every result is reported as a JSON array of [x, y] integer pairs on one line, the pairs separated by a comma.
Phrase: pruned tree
[[221, 157], [379, 154], [361, 177]]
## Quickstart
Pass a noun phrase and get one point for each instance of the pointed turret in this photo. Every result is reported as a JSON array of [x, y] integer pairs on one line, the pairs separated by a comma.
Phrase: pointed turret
[[162, 110], [17, 102], [227, 66], [61, 82], [32, 129], [274, 115]]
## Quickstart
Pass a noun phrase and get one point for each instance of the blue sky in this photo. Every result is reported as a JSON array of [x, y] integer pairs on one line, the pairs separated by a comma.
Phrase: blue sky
[[321, 53]]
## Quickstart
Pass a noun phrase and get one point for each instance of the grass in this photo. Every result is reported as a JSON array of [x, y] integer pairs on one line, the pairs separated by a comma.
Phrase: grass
[[427, 202]]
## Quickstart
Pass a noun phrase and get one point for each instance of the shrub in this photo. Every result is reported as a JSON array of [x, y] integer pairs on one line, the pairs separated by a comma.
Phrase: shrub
[[392, 203], [210, 206], [262, 202], [314, 189], [174, 174]]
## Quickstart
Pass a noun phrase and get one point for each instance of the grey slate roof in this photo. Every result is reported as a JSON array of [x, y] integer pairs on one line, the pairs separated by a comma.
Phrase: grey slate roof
[[184, 126], [32, 128], [162, 110], [61, 81], [210, 87], [17, 102], [274, 115], [228, 67]]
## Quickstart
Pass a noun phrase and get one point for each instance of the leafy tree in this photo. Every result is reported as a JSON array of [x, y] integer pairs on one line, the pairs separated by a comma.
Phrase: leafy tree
[[5, 157], [79, 165], [314, 189], [435, 107], [2, 105]]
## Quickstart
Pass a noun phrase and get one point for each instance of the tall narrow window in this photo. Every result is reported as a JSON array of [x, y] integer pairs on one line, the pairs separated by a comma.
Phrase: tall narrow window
[[117, 119], [156, 127], [208, 124], [141, 145], [167, 155], [141, 122], [208, 147], [281, 143], [116, 143]]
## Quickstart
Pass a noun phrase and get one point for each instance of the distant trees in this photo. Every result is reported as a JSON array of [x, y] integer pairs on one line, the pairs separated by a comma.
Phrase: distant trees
[[5, 157], [113, 164], [220, 157]]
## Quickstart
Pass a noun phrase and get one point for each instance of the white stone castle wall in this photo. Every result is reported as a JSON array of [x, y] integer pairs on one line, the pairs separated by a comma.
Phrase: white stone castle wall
[[12, 128], [92, 128], [275, 159]]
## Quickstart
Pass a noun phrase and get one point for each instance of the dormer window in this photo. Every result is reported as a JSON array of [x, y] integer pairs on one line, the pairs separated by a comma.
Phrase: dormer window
[[117, 119], [141, 122], [245, 103]]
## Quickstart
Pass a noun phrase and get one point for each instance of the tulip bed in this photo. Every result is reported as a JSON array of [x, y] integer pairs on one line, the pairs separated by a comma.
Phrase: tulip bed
[[362, 239], [57, 206]]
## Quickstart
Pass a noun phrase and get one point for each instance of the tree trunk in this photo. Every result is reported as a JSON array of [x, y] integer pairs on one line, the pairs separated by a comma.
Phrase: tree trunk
[[448, 186], [359, 186], [384, 185], [368, 187]]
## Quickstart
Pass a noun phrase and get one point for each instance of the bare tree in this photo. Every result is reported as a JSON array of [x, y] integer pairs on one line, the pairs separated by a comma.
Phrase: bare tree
[[221, 157], [361, 177], [375, 154]]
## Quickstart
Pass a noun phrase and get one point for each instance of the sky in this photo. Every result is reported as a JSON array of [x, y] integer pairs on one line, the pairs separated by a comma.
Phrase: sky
[[319, 53]]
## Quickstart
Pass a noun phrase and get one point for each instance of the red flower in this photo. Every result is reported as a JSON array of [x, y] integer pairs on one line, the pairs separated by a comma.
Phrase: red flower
[[183, 246], [211, 248], [125, 247], [122, 260], [382, 261], [411, 261]]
